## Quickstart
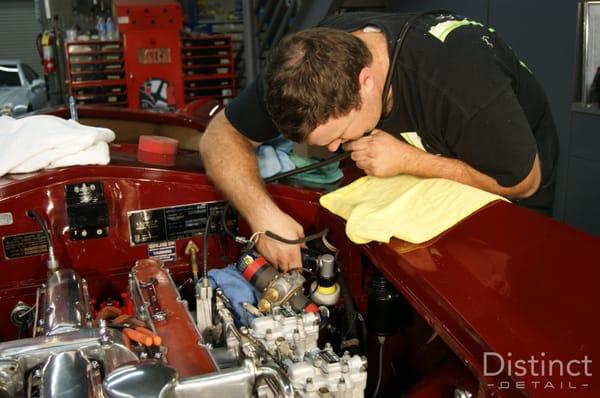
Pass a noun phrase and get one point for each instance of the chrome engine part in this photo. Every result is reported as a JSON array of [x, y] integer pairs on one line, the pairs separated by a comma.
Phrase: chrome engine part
[[65, 303], [69, 357], [155, 379], [28, 367], [148, 379], [79, 377]]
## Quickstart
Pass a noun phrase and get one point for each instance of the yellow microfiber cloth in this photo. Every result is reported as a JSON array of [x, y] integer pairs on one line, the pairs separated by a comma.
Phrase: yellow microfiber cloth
[[406, 207]]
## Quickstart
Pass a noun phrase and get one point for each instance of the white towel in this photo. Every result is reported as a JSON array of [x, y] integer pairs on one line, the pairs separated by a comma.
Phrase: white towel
[[43, 141]]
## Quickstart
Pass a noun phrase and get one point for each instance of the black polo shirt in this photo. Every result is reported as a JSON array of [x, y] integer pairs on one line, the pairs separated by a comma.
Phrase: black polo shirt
[[460, 88]]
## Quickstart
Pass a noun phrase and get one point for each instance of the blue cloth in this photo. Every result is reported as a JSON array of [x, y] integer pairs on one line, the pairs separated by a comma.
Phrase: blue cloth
[[274, 157], [327, 174], [237, 289]]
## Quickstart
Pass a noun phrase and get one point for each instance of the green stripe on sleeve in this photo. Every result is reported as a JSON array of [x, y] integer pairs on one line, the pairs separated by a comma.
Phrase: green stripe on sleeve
[[443, 29]]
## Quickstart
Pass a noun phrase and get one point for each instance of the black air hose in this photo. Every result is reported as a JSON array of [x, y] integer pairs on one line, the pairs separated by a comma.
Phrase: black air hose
[[355, 336]]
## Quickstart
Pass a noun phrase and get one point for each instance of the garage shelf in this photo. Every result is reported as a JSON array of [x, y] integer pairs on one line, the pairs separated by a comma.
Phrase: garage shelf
[[207, 67], [96, 83], [96, 71]]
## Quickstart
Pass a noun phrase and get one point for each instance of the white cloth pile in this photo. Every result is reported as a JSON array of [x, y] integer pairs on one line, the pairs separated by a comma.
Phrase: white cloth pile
[[43, 141]]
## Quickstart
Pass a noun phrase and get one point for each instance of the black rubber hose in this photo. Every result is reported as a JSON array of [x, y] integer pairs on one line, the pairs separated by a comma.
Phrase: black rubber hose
[[310, 167], [299, 240], [398, 47], [25, 319], [352, 317], [33, 214], [381, 341], [21, 331], [224, 221], [205, 247]]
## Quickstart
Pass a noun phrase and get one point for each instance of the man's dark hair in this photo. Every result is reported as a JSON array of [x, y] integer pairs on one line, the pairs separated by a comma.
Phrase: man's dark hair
[[311, 76]]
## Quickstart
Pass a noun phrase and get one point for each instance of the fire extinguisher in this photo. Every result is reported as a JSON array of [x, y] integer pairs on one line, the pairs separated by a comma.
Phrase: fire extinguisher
[[46, 50]]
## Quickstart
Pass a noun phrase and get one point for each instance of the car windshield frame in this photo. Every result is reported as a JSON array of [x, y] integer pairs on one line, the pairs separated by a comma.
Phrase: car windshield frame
[[9, 75], [29, 73]]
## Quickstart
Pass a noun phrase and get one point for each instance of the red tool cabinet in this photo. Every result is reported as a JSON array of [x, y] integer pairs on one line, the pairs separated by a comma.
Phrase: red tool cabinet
[[153, 66], [150, 30]]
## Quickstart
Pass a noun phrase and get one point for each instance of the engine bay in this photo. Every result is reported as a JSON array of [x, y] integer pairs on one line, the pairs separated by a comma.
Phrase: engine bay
[[113, 290], [150, 338]]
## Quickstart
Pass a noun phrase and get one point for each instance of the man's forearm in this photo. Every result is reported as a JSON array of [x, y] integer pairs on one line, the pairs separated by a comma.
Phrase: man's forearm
[[383, 155], [424, 164], [230, 163]]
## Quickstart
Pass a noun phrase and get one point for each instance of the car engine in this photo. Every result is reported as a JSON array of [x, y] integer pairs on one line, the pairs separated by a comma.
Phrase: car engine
[[153, 342]]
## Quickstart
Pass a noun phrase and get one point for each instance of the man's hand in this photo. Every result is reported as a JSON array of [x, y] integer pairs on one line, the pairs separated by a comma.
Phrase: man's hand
[[380, 154], [281, 255]]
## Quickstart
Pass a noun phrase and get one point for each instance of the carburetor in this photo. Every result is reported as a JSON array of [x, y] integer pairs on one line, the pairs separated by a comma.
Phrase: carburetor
[[286, 334], [324, 373], [276, 288]]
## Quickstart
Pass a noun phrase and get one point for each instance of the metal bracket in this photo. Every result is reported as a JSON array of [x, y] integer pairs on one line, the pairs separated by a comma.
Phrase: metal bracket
[[155, 310]]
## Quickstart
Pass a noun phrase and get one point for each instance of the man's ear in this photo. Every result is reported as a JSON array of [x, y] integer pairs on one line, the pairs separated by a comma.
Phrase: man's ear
[[366, 81]]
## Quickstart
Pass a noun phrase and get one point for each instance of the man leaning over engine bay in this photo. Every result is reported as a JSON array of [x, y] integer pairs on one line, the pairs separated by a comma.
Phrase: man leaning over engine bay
[[461, 106]]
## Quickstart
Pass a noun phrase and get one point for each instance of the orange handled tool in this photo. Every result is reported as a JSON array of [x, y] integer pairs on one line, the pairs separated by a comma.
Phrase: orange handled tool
[[139, 337], [128, 319], [156, 340], [127, 341]]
